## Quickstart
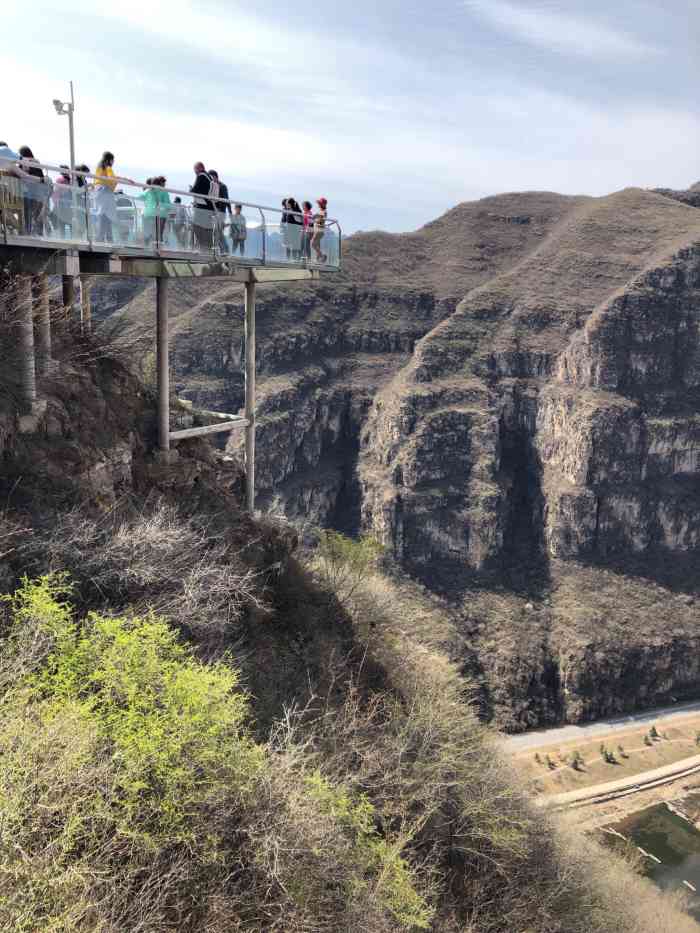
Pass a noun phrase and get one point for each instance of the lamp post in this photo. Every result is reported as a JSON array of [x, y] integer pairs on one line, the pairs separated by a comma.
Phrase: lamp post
[[65, 108]]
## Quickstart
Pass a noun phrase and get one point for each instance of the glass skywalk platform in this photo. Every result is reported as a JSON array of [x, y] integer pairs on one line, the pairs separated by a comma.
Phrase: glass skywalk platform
[[57, 216]]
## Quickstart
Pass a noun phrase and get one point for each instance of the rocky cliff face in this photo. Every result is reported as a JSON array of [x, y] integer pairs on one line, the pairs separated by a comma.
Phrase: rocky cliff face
[[510, 400]]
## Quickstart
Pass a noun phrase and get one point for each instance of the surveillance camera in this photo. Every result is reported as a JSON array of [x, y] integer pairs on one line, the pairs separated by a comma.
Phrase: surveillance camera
[[59, 106]]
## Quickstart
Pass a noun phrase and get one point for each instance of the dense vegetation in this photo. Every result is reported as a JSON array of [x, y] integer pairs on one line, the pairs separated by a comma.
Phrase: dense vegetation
[[140, 792]]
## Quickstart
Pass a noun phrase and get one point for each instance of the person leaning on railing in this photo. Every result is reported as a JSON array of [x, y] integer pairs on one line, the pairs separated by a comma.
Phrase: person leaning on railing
[[9, 160]]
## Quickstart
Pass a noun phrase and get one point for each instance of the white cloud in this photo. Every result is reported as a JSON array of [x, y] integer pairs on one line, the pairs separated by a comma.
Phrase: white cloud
[[561, 32]]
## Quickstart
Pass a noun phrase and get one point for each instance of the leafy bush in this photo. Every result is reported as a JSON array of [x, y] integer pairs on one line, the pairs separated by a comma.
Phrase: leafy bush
[[344, 562], [133, 798]]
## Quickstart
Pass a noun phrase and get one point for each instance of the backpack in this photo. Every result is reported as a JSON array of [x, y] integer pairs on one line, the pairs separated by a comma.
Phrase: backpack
[[214, 188]]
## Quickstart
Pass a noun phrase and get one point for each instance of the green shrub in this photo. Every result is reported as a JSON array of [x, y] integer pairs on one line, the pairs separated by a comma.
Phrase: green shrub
[[375, 857], [128, 780], [343, 563]]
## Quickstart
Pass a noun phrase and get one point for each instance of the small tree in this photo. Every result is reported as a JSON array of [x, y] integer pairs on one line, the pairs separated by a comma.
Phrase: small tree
[[539, 760], [577, 761], [343, 563], [654, 733]]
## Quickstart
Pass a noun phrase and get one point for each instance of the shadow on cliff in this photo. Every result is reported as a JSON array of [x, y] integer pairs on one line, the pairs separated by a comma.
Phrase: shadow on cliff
[[678, 571]]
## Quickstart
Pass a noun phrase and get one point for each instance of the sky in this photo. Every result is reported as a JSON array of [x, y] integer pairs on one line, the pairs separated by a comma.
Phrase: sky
[[394, 110]]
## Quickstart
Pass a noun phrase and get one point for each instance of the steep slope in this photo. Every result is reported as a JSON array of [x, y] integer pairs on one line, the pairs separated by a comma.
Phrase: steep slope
[[198, 732]]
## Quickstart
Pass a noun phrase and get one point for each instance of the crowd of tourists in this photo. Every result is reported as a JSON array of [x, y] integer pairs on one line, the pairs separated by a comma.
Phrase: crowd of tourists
[[212, 220]]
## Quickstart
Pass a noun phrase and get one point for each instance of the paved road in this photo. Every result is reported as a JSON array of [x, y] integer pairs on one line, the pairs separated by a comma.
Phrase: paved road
[[610, 790], [587, 731]]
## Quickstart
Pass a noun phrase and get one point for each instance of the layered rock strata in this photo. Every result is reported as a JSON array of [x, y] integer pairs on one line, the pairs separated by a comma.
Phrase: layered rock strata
[[509, 399]]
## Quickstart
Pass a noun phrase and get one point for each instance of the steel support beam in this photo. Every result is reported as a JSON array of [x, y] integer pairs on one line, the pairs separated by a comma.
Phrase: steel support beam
[[25, 343], [163, 364], [250, 396], [68, 296], [85, 304], [43, 324], [208, 429]]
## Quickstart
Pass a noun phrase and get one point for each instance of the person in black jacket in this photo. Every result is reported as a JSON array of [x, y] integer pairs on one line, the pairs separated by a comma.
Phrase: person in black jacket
[[36, 193], [221, 208], [203, 209], [294, 229]]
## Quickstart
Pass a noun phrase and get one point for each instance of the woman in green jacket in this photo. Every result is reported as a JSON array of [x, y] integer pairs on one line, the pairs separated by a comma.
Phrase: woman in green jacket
[[156, 206]]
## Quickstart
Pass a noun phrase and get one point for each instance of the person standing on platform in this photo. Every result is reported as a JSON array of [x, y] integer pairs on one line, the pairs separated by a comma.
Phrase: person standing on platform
[[105, 202], [284, 221], [295, 222], [179, 222], [163, 207], [308, 223], [319, 229], [62, 215], [36, 193], [203, 220], [221, 208], [239, 229]]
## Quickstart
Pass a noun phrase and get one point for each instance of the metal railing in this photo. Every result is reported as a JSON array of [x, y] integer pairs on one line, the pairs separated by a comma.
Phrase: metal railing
[[156, 222]]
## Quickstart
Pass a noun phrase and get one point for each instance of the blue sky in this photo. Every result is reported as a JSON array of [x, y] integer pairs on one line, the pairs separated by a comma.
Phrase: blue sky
[[395, 110]]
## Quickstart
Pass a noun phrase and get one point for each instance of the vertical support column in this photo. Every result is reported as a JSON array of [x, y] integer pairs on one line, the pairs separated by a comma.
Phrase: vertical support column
[[85, 306], [68, 296], [250, 394], [43, 324], [25, 343], [163, 363]]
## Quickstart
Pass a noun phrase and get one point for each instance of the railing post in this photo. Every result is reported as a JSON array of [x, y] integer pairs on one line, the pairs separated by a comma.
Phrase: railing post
[[250, 393], [43, 324], [263, 229], [163, 363]]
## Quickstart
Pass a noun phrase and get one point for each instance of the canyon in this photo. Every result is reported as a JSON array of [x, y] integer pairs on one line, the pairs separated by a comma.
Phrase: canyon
[[509, 400]]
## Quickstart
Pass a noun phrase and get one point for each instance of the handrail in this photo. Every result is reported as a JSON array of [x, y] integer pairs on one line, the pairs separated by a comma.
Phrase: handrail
[[143, 185]]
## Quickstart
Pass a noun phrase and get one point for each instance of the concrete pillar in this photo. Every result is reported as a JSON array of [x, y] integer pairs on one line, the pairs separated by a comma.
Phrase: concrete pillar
[[43, 324], [250, 395], [85, 306], [163, 363], [68, 296], [25, 343]]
